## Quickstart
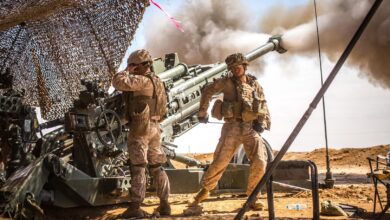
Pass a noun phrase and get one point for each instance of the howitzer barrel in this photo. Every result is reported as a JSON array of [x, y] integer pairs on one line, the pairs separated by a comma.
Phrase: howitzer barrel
[[180, 115], [174, 72], [196, 80], [271, 45]]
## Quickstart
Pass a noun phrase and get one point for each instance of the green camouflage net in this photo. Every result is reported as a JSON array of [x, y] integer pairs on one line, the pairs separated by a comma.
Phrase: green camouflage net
[[48, 46]]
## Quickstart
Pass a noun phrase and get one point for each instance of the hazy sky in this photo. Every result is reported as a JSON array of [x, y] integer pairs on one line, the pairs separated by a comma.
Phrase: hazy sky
[[357, 112]]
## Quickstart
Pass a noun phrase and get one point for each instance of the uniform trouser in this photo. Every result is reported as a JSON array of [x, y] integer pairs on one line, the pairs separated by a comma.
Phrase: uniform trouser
[[146, 151], [232, 136]]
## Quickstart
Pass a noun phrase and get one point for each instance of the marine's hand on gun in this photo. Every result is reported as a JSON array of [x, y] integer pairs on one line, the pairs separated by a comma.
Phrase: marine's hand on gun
[[257, 126], [203, 117]]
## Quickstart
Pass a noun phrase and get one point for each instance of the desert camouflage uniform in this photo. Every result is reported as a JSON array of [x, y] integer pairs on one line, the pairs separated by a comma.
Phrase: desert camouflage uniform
[[144, 149], [236, 132]]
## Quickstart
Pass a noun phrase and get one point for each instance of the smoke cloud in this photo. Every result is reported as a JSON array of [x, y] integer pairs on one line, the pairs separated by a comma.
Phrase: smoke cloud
[[338, 21], [215, 29]]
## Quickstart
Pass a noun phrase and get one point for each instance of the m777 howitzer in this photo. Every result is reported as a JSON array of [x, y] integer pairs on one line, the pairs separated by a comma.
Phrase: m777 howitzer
[[96, 171], [184, 85]]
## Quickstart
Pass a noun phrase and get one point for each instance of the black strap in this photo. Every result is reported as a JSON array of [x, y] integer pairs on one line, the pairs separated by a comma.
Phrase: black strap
[[235, 87], [154, 86], [152, 166], [139, 165], [154, 92]]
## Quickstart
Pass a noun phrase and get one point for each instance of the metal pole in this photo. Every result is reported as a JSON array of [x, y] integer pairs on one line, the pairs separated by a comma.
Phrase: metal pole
[[329, 181], [308, 112]]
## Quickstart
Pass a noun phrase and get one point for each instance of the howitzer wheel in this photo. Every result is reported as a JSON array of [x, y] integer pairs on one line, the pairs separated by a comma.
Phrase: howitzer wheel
[[108, 128]]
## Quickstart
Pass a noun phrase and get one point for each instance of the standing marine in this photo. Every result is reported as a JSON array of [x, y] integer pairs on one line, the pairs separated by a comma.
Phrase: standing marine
[[245, 112], [145, 105]]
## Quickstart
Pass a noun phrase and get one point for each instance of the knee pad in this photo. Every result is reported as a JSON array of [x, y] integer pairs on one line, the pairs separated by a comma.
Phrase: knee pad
[[157, 165], [155, 168], [137, 168]]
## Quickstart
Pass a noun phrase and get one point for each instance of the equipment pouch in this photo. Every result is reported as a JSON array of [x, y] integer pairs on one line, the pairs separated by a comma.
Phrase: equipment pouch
[[216, 111], [248, 116], [228, 109], [248, 111], [140, 119], [256, 106]]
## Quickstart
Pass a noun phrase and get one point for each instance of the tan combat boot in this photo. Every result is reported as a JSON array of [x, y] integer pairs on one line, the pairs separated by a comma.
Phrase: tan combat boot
[[256, 205], [164, 208], [134, 210], [202, 195]]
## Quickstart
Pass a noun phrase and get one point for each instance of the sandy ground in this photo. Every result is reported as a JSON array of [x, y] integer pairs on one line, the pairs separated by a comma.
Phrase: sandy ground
[[349, 166]]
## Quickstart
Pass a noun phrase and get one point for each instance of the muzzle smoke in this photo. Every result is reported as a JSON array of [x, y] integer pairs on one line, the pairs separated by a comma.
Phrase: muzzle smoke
[[215, 29], [338, 21]]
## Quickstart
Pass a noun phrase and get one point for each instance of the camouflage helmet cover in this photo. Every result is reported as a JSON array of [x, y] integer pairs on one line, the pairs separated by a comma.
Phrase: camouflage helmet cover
[[236, 59], [139, 56]]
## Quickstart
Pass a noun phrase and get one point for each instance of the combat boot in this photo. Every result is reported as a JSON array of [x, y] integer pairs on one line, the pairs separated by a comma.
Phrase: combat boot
[[134, 210], [202, 195], [164, 208], [256, 206]]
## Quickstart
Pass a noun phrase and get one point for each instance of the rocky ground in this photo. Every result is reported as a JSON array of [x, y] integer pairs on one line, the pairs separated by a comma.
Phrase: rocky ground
[[349, 165]]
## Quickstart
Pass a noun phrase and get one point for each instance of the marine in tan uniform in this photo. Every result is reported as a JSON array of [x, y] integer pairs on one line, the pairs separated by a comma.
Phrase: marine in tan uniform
[[245, 112], [145, 101]]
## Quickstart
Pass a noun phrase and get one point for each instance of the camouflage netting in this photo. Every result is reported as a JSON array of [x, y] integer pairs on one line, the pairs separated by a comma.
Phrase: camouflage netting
[[48, 46]]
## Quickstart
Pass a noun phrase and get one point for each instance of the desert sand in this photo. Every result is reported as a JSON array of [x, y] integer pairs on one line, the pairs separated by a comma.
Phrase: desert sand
[[349, 166]]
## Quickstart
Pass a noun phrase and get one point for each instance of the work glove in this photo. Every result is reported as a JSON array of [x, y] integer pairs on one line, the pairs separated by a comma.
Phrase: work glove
[[204, 119], [257, 126]]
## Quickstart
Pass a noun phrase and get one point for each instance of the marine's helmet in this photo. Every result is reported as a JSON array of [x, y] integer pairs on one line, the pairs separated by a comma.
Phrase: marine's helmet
[[139, 56], [236, 59]]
